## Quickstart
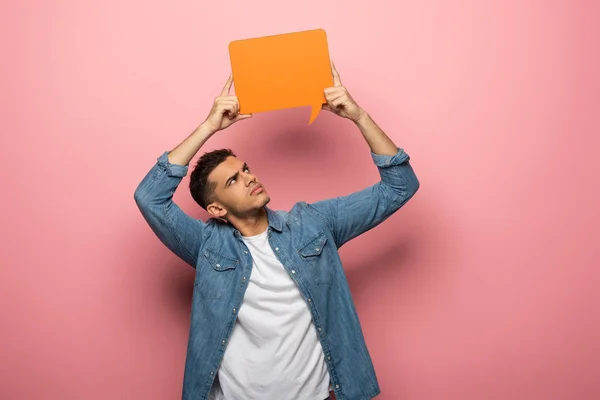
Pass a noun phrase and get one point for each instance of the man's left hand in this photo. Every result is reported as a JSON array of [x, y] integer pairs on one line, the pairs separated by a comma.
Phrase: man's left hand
[[339, 100]]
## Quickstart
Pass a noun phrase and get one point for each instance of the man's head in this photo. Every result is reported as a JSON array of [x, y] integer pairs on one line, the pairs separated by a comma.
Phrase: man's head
[[224, 185]]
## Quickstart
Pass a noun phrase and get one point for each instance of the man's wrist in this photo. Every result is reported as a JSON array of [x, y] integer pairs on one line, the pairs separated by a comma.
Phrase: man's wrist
[[363, 117], [204, 131]]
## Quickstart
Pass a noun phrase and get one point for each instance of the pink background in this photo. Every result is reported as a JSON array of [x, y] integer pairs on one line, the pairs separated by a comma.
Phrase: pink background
[[484, 286]]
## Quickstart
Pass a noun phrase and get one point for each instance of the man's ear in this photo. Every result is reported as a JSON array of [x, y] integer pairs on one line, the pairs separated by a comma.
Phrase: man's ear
[[216, 209]]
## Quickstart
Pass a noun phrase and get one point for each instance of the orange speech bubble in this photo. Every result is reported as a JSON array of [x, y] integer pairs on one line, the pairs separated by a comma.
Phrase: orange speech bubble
[[281, 71]]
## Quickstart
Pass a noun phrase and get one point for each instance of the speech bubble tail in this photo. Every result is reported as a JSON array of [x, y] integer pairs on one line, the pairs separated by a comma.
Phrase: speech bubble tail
[[314, 113]]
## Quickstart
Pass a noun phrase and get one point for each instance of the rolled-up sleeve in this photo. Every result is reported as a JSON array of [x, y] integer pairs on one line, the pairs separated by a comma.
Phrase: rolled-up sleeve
[[181, 233], [349, 216]]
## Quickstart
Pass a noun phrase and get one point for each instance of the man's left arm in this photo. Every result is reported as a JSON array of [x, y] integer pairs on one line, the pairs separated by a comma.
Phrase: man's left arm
[[351, 215]]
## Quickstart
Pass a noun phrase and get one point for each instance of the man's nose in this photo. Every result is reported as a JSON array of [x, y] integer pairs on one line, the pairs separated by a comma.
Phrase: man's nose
[[249, 179]]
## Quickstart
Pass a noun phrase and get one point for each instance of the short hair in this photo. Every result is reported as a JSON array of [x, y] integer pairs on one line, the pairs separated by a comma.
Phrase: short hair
[[201, 189]]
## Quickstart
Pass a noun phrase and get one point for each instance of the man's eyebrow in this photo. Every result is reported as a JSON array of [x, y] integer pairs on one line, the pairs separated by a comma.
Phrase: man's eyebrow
[[234, 176]]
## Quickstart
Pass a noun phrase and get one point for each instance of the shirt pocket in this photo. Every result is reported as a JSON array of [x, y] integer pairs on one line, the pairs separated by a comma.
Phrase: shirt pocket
[[214, 274], [315, 258]]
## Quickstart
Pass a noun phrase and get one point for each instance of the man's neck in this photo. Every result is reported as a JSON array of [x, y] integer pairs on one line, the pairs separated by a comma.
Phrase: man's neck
[[251, 225]]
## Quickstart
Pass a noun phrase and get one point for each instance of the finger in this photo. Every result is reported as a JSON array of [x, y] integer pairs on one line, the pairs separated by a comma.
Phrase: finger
[[338, 102], [236, 111], [230, 98], [227, 100], [335, 89], [227, 86], [236, 106], [335, 96], [337, 81], [240, 117], [228, 109], [326, 107]]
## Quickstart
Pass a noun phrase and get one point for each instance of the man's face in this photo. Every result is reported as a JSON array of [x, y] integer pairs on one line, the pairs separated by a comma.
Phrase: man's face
[[238, 190]]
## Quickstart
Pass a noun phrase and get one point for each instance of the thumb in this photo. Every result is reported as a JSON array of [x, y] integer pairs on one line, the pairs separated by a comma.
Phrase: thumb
[[240, 117]]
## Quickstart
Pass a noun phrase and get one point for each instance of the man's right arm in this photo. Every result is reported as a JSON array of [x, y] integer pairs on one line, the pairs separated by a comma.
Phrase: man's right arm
[[178, 231]]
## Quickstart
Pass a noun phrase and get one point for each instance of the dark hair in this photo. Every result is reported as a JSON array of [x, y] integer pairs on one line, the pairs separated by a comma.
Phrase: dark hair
[[201, 189]]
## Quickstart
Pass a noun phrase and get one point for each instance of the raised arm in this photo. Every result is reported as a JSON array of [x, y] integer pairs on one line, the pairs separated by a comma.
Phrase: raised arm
[[178, 231], [351, 215]]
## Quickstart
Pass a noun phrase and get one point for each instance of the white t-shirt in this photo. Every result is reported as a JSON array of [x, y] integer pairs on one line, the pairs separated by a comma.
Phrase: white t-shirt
[[274, 352]]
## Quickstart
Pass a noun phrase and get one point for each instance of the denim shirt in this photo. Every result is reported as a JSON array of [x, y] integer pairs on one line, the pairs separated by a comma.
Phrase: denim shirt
[[305, 239]]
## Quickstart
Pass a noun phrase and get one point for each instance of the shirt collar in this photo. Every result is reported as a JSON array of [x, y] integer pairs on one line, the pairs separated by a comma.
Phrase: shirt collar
[[274, 219], [274, 222]]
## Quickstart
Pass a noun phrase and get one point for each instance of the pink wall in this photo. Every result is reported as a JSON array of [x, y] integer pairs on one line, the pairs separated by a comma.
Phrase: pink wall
[[484, 286]]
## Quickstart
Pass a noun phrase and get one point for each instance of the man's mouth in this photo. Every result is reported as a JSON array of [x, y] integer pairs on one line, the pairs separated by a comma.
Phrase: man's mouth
[[257, 189]]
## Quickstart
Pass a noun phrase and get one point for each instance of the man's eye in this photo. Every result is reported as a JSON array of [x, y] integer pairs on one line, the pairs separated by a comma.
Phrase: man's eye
[[231, 181]]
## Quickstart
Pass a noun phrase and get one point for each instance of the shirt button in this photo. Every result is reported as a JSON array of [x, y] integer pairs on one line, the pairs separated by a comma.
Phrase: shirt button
[[317, 249], [223, 342], [309, 300], [244, 279], [212, 373], [293, 272], [320, 329], [234, 310], [337, 386], [276, 248], [245, 251], [328, 358], [218, 265]]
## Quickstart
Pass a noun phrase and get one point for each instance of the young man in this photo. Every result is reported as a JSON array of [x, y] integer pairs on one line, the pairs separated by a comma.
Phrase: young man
[[272, 314]]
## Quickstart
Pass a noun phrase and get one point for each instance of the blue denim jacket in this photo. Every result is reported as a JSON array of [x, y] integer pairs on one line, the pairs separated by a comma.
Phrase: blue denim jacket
[[306, 241]]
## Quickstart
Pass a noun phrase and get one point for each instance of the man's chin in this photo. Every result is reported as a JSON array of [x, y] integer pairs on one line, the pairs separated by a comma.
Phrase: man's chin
[[266, 200], [261, 202]]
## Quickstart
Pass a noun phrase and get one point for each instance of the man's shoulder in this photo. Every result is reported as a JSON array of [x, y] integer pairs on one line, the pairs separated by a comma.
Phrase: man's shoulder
[[301, 210], [217, 223]]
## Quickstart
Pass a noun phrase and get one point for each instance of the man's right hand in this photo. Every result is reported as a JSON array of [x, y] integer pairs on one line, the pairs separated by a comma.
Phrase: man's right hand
[[225, 110]]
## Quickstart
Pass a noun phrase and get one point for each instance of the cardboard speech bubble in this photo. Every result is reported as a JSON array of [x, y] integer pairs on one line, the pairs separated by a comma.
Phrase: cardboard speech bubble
[[281, 71]]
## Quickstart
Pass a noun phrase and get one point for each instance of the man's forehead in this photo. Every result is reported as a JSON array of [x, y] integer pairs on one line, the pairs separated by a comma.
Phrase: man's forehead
[[227, 168]]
